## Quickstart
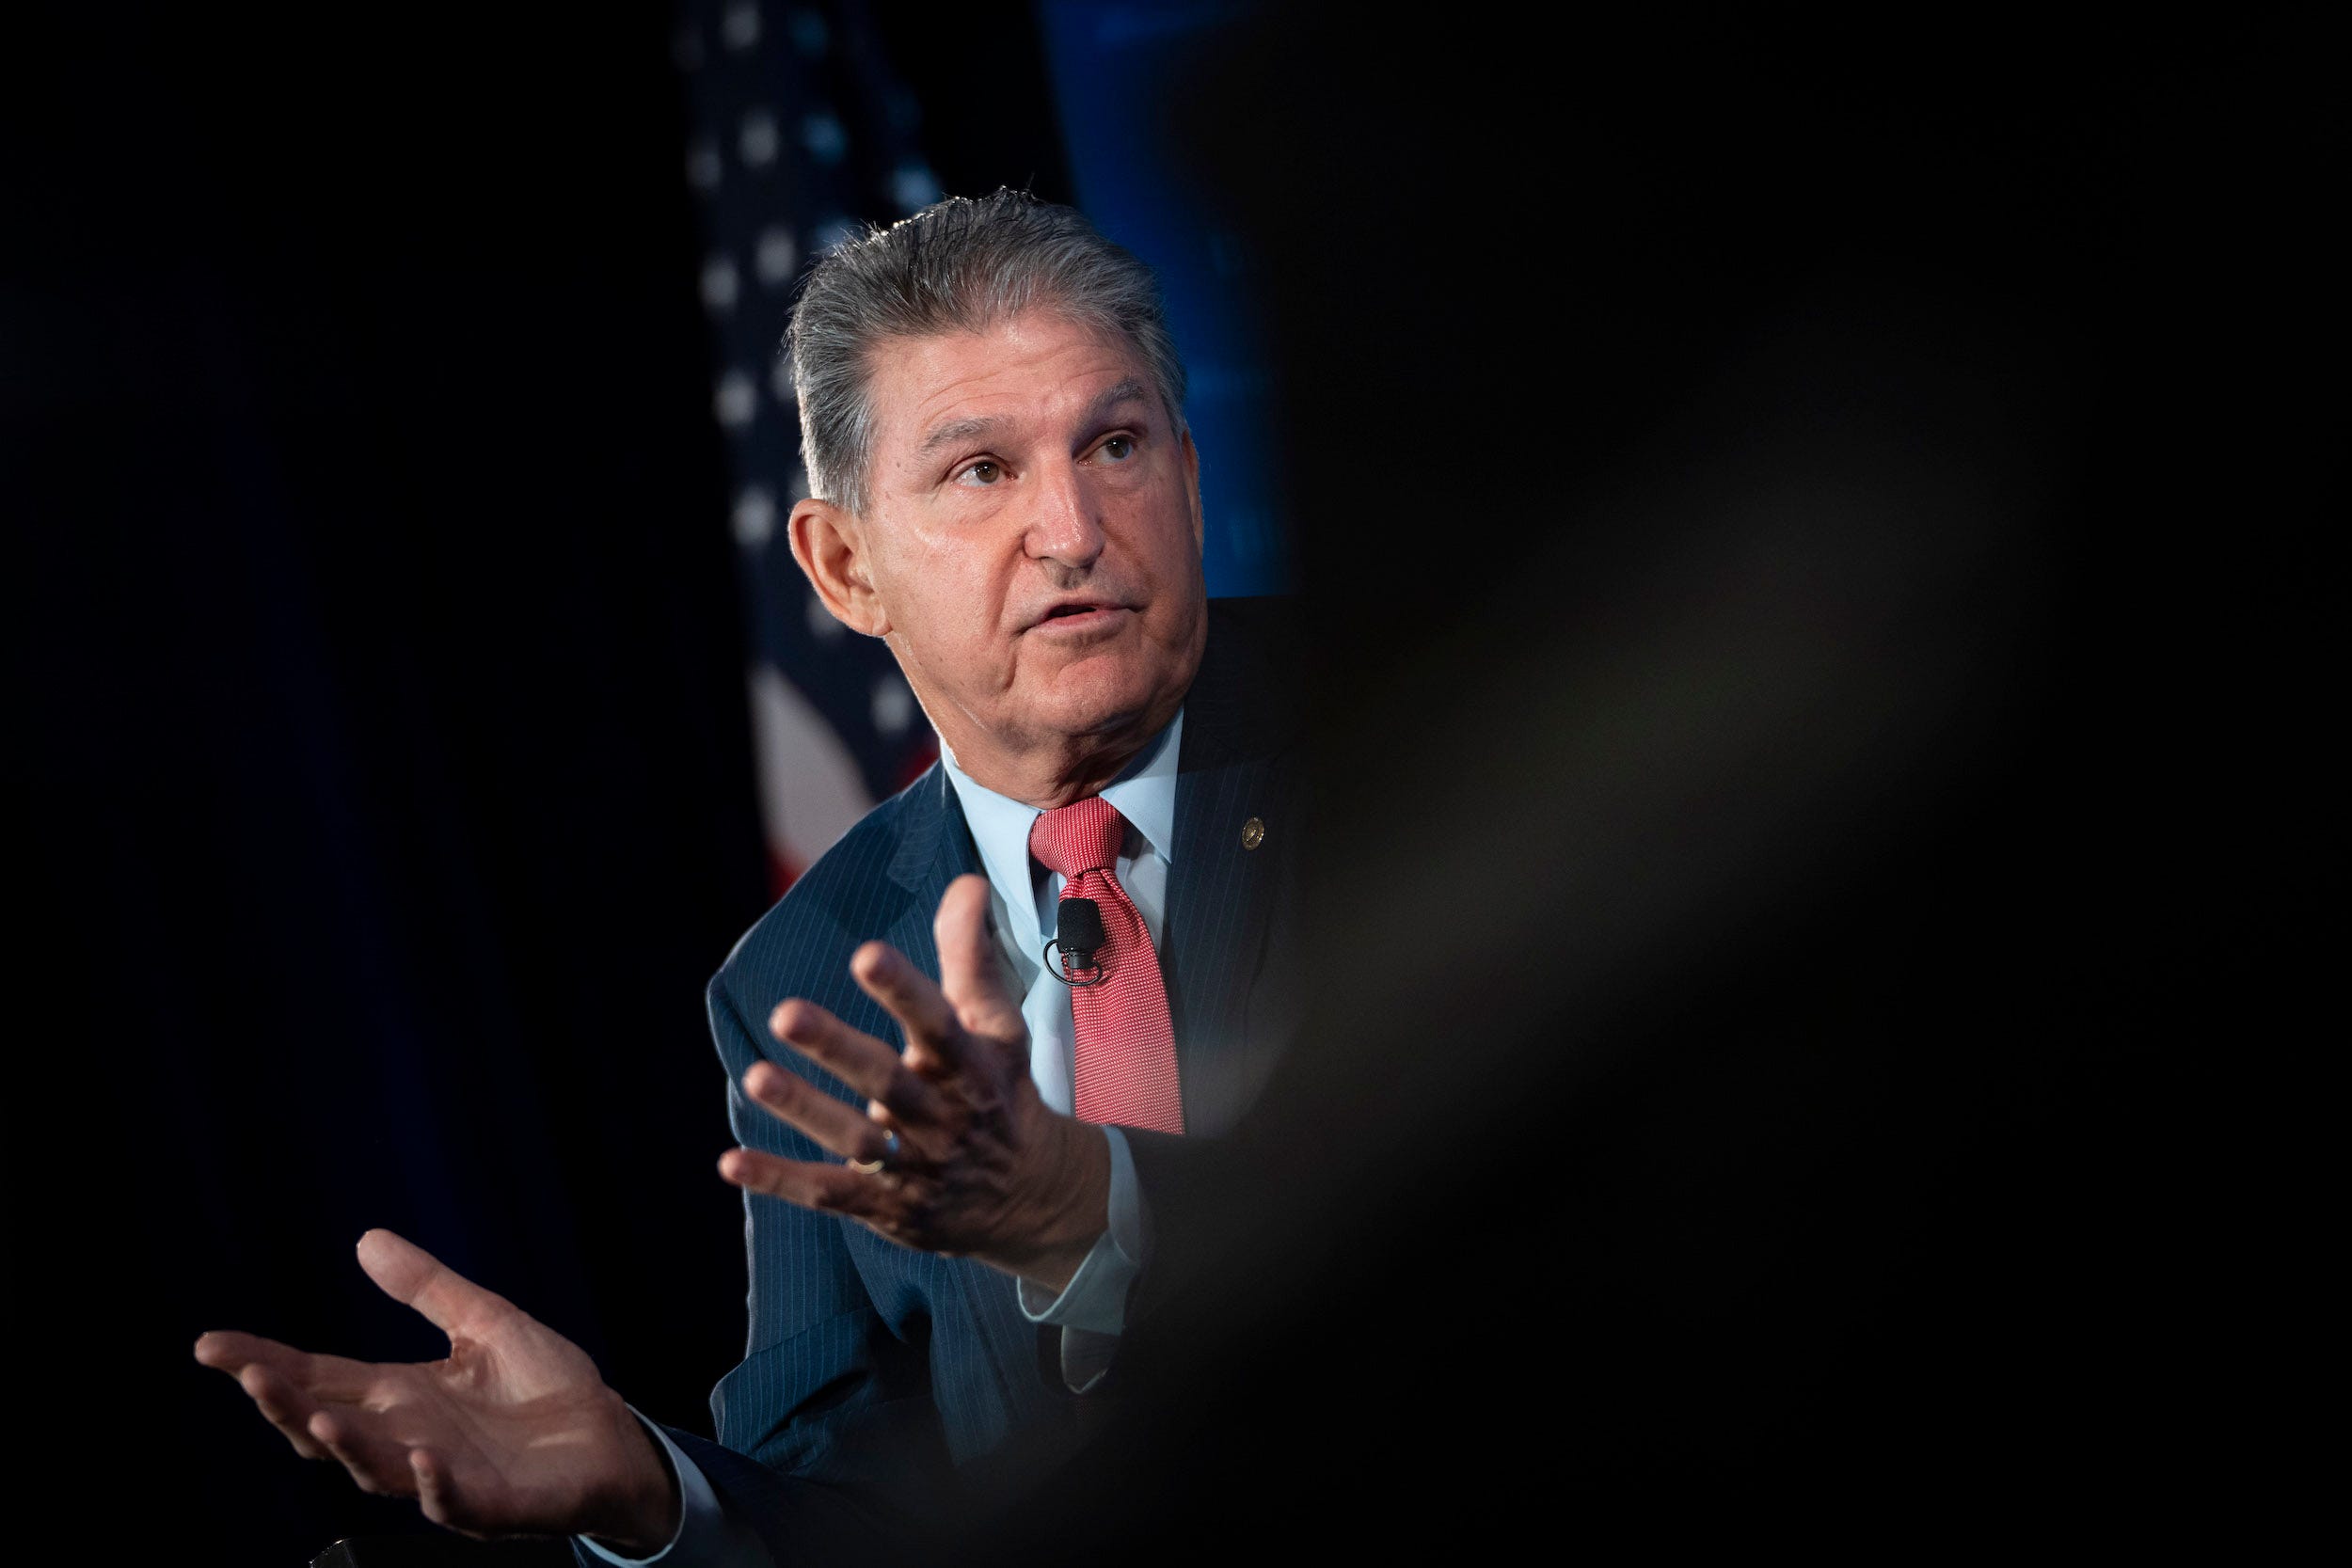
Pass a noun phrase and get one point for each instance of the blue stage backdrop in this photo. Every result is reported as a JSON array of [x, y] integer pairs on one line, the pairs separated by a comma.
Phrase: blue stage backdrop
[[1116, 68], [803, 133]]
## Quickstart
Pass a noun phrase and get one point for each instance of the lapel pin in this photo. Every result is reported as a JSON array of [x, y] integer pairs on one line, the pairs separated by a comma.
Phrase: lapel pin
[[1252, 834]]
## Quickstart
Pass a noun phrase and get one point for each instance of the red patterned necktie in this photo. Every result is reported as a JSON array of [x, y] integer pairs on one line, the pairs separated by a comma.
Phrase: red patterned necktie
[[1125, 1066]]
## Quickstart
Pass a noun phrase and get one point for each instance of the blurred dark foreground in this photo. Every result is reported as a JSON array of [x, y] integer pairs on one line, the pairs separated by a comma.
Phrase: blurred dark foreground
[[1820, 816]]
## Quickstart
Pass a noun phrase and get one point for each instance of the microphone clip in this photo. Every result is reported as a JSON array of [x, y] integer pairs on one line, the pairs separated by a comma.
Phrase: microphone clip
[[1078, 932]]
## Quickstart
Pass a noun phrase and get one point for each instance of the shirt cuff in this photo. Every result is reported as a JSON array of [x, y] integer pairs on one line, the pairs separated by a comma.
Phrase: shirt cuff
[[1095, 1300], [703, 1534]]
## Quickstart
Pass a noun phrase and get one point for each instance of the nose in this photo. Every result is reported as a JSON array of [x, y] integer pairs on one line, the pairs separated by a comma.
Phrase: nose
[[1066, 525]]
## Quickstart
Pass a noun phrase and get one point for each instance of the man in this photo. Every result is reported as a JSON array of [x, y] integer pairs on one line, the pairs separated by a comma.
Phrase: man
[[1005, 491]]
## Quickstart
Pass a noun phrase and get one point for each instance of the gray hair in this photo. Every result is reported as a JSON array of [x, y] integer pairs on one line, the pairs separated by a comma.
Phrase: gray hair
[[958, 265]]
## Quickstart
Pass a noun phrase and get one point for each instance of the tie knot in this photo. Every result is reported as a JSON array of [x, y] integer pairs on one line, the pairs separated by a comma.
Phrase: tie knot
[[1083, 835]]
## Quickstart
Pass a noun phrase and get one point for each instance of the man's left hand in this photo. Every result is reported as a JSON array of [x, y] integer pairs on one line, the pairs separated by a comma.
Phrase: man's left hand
[[983, 1167]]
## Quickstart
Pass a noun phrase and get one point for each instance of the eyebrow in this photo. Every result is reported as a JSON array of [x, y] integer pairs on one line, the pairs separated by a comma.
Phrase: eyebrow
[[956, 431]]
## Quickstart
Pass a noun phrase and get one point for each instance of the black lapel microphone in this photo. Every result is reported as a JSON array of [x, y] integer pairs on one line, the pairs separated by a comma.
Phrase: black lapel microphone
[[1078, 932]]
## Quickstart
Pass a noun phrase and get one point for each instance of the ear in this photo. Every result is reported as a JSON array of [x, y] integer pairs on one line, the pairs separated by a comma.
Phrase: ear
[[1192, 492], [828, 542]]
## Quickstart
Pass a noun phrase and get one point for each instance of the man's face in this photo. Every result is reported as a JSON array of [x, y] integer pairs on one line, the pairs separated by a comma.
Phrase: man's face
[[1033, 536]]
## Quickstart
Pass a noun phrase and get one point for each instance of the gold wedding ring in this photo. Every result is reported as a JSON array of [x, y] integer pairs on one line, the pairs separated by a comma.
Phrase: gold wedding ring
[[875, 1167]]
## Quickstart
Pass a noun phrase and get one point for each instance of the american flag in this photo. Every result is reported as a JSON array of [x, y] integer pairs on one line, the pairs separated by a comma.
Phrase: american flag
[[798, 138]]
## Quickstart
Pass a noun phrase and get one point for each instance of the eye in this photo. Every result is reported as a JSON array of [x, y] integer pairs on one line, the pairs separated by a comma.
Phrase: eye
[[1119, 448], [985, 472]]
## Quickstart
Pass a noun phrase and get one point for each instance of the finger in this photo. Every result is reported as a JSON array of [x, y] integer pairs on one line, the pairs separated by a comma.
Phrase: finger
[[827, 1188], [414, 1277], [855, 1057], [322, 1377], [971, 966], [934, 1035], [376, 1463], [284, 1406], [833, 1125], [436, 1489]]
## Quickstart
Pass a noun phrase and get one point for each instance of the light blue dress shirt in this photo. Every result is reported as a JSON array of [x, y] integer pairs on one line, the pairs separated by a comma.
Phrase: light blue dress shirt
[[1092, 1309], [1023, 896]]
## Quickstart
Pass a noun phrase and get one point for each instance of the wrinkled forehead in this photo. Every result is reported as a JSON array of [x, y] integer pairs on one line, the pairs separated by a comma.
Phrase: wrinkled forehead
[[1039, 369]]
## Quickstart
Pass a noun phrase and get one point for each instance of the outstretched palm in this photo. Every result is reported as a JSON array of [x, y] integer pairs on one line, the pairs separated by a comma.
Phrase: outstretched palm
[[513, 1433]]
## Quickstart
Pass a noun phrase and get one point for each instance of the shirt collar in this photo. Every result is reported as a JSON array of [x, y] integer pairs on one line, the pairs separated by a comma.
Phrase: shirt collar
[[1144, 794]]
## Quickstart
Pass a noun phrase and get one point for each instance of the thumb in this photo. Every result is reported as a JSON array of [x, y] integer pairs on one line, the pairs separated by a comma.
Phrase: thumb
[[414, 1277], [971, 967]]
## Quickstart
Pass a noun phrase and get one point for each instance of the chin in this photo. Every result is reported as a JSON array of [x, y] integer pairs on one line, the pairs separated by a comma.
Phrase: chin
[[1085, 703]]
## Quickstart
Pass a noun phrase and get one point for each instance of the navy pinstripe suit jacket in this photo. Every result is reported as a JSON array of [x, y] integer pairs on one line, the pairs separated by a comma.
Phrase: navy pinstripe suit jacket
[[873, 1374]]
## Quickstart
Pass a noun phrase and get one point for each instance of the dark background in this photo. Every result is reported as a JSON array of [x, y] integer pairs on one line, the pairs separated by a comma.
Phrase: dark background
[[393, 796], [392, 800]]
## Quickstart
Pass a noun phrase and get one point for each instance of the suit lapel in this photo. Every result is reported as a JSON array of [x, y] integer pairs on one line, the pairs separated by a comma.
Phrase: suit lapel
[[1224, 876], [935, 849]]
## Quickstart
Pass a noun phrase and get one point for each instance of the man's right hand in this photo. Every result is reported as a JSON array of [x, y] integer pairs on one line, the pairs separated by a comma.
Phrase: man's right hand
[[513, 1433]]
